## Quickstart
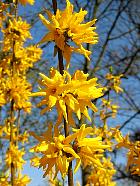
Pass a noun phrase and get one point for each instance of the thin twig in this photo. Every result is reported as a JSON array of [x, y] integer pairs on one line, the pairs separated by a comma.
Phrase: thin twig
[[127, 121]]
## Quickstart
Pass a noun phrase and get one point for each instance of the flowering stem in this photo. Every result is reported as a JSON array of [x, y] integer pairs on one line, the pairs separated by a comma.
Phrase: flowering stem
[[66, 129], [12, 142]]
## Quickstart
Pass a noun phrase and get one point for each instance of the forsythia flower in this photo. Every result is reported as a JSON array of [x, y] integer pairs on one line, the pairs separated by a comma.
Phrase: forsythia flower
[[102, 177], [134, 158], [26, 57], [72, 94], [17, 31], [54, 150], [133, 162], [67, 26], [4, 181], [21, 180], [24, 2], [18, 89], [15, 156], [2, 98], [115, 82], [107, 105], [5, 133], [89, 150], [57, 150]]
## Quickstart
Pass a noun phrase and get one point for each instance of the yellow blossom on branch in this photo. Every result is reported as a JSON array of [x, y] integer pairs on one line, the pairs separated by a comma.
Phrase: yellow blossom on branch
[[57, 151], [54, 150], [115, 82], [5, 133], [107, 105], [17, 31], [24, 58], [18, 89], [102, 177], [24, 2], [90, 150], [68, 26], [4, 181], [15, 156], [74, 92], [134, 158], [21, 180]]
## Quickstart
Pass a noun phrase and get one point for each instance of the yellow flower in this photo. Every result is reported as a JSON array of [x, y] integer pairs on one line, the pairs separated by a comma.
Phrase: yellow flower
[[18, 89], [115, 82], [107, 105], [90, 150], [74, 92], [21, 180], [54, 150], [15, 156], [5, 133], [57, 151], [102, 176], [4, 181], [24, 2], [26, 57], [2, 98], [68, 26], [133, 155], [17, 31]]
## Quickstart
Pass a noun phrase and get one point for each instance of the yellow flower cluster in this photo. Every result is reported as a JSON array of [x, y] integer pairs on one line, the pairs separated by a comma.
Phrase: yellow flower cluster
[[58, 151], [65, 27], [22, 180], [24, 58], [15, 62], [24, 2], [16, 88], [17, 32], [4, 181], [102, 177], [19, 180], [133, 155], [115, 82], [69, 93], [134, 158], [5, 133], [109, 109], [15, 156]]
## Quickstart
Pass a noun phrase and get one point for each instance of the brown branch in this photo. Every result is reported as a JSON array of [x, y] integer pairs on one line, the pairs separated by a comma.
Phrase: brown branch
[[127, 121]]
